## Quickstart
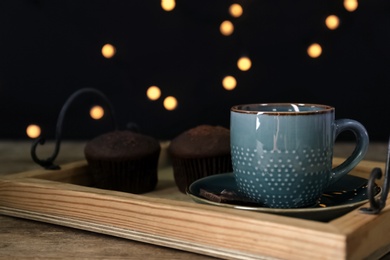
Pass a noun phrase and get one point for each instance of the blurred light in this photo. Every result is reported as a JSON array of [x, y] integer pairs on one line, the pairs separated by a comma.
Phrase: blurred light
[[33, 131], [168, 5], [351, 5], [226, 28], [229, 83], [235, 10], [96, 112], [153, 93], [244, 63], [314, 50], [332, 22], [108, 51], [170, 103]]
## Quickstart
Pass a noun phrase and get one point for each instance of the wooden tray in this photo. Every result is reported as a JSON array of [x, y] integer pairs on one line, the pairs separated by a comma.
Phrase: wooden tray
[[169, 218]]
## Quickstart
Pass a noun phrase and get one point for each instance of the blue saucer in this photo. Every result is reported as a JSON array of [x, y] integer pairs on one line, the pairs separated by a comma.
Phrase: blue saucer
[[345, 195]]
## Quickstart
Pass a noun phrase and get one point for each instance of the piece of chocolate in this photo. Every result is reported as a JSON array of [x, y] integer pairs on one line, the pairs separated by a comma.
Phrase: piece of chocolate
[[227, 196]]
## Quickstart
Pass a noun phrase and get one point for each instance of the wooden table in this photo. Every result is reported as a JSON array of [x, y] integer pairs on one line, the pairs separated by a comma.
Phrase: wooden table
[[21, 238]]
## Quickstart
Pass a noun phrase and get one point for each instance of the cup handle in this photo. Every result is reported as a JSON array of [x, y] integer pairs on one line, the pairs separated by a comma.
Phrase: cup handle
[[361, 147]]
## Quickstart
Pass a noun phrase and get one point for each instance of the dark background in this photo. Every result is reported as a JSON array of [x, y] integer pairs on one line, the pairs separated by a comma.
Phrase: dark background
[[50, 49]]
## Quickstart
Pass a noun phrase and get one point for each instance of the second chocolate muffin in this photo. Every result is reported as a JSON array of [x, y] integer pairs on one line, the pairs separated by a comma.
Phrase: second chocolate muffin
[[199, 152]]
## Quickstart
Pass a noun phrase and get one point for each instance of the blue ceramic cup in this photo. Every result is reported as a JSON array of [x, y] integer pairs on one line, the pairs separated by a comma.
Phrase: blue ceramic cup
[[282, 152]]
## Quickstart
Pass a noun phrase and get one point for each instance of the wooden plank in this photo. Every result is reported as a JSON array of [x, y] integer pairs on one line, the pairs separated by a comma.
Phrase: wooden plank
[[199, 225], [182, 224], [364, 232]]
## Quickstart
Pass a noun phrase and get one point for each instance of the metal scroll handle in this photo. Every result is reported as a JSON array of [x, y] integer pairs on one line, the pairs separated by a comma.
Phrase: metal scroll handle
[[49, 162], [377, 204]]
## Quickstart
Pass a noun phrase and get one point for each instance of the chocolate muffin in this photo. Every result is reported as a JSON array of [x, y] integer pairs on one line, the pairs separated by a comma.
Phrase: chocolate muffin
[[199, 152], [123, 161]]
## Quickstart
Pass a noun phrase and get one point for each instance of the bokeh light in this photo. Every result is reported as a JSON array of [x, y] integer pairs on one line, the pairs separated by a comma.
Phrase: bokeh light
[[351, 5], [96, 112], [314, 50], [244, 63], [108, 51], [170, 103], [332, 22], [229, 83], [235, 10], [153, 93], [168, 5], [33, 131], [226, 28]]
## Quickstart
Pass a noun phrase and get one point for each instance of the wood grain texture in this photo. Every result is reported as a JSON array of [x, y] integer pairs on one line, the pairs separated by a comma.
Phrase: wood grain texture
[[180, 224], [155, 225], [22, 238]]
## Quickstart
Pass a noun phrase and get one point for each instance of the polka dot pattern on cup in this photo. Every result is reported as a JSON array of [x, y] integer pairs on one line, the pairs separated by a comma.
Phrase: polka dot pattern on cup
[[281, 179]]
